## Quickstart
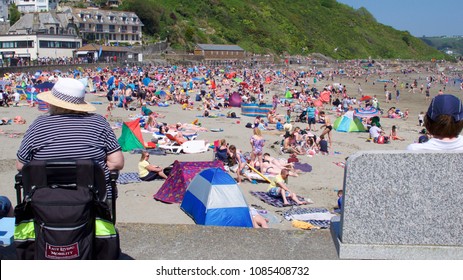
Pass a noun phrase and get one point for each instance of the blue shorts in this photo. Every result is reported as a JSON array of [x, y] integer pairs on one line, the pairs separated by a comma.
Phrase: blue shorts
[[311, 120], [276, 192]]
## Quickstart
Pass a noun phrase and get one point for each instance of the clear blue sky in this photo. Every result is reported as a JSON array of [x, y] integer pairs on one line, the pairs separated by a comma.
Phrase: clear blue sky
[[419, 17]]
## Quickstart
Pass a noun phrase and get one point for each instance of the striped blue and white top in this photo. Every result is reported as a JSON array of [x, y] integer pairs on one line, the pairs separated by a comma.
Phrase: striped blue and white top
[[69, 136]]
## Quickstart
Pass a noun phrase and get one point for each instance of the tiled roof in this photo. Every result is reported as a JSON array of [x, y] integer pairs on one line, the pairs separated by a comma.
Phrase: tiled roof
[[213, 47], [35, 21], [91, 16], [96, 47]]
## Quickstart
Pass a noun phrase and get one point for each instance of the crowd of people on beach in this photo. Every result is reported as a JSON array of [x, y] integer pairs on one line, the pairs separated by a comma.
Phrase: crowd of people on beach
[[305, 122]]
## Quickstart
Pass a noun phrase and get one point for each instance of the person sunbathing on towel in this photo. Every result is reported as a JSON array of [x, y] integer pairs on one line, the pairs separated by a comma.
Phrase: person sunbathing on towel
[[269, 168], [257, 220], [19, 120], [187, 127], [279, 188], [179, 138], [145, 111]]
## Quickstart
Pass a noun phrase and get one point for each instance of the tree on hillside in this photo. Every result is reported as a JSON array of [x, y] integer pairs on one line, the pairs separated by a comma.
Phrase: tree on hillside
[[14, 14], [100, 3], [149, 14]]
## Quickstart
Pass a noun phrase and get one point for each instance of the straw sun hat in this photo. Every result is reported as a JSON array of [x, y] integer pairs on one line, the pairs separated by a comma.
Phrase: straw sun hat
[[69, 94]]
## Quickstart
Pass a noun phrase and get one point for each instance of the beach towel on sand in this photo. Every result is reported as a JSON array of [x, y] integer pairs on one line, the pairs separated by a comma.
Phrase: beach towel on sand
[[276, 201], [128, 178], [304, 167], [156, 151], [319, 217]]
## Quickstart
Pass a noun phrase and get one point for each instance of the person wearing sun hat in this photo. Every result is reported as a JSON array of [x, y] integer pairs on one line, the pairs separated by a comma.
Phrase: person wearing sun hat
[[70, 131], [444, 122]]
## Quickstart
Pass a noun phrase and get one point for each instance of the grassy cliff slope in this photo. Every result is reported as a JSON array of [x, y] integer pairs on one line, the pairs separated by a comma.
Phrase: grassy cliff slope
[[279, 27]]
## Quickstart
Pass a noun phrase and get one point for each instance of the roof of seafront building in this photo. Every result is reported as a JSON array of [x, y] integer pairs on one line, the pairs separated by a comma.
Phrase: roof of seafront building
[[214, 47]]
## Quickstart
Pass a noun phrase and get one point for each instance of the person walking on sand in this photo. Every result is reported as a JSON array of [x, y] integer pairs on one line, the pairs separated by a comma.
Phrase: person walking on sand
[[311, 117], [328, 127], [257, 145], [278, 188]]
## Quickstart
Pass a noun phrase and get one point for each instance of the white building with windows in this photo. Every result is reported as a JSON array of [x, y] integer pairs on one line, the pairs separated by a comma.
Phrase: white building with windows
[[4, 4], [30, 6], [107, 25], [42, 35], [33, 46]]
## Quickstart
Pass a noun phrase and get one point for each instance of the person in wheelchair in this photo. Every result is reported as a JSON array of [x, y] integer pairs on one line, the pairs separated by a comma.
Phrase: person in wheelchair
[[70, 131]]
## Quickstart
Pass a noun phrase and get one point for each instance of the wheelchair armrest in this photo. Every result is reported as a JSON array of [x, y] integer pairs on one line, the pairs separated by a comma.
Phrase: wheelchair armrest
[[18, 178], [113, 174], [18, 182]]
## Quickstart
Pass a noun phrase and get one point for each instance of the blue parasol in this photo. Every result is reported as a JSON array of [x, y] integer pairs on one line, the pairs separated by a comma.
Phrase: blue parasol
[[44, 86], [110, 81], [146, 81]]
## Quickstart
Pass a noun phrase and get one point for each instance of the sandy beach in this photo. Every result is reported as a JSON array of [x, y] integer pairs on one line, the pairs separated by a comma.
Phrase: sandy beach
[[136, 203]]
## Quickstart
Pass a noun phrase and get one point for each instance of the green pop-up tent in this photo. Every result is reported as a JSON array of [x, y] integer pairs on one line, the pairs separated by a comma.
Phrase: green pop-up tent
[[348, 123]]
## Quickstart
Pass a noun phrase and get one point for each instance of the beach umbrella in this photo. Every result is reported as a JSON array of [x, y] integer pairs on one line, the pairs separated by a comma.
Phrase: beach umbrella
[[160, 93], [110, 81], [146, 81], [212, 86], [366, 112], [37, 74], [288, 94], [4, 83], [44, 86], [77, 73], [199, 79], [366, 97]]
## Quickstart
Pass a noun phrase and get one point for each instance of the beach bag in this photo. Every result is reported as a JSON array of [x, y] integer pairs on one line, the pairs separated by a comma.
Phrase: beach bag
[[381, 140], [293, 158], [168, 169]]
